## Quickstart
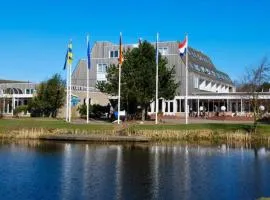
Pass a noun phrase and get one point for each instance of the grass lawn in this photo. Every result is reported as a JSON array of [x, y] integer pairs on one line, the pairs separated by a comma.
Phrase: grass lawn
[[28, 123]]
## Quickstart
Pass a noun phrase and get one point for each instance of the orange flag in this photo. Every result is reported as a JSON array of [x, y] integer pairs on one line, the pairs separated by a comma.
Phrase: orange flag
[[121, 57]]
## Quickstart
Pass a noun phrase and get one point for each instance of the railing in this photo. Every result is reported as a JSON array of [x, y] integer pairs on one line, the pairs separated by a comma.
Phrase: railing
[[16, 95]]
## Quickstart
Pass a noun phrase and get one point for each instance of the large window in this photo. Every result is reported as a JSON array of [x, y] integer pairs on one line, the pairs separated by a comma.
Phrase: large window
[[163, 50], [102, 72], [102, 68], [114, 54]]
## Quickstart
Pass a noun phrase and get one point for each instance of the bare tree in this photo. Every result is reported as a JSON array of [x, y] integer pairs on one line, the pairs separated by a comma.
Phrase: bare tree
[[252, 83], [1, 107]]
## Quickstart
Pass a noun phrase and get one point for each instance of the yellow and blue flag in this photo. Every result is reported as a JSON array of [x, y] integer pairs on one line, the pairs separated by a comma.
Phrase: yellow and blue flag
[[69, 55]]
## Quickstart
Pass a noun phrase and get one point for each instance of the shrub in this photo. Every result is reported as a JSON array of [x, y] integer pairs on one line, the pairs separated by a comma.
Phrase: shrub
[[95, 111], [98, 111], [20, 109], [82, 110]]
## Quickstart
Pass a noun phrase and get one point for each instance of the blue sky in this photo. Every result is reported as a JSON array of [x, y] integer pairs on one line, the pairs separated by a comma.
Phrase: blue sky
[[34, 34]]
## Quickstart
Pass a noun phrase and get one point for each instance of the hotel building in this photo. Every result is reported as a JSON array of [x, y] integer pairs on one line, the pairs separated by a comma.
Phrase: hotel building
[[208, 87]]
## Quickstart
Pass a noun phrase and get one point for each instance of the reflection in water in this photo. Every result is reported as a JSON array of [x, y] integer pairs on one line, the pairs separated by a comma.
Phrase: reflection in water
[[155, 171], [50, 170], [87, 162], [67, 170], [118, 172]]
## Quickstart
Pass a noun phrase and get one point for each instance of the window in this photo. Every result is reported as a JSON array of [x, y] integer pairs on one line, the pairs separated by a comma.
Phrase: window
[[201, 68], [27, 91], [178, 105], [101, 72], [171, 106], [102, 68], [114, 54], [84, 101], [207, 71], [163, 50], [196, 82], [197, 68]]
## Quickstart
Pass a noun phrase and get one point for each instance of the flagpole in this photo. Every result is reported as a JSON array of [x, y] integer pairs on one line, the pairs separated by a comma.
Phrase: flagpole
[[186, 97], [157, 80], [67, 85], [87, 83], [119, 79], [119, 92], [69, 117]]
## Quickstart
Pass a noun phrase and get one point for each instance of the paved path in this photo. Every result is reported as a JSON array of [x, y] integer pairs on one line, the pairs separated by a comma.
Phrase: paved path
[[170, 121], [204, 121]]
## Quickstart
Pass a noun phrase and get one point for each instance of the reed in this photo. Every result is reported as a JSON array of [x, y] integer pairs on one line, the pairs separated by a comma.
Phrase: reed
[[194, 135], [36, 133]]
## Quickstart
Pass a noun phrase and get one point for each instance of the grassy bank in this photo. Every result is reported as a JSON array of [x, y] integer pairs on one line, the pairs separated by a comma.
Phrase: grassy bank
[[35, 128], [197, 132]]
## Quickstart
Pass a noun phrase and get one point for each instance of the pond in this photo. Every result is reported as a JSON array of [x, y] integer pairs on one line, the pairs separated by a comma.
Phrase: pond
[[60, 170]]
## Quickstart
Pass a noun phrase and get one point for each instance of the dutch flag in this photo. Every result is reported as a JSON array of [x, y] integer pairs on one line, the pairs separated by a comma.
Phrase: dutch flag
[[182, 47]]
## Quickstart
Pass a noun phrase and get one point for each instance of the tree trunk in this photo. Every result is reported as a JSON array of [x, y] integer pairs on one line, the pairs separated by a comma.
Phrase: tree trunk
[[143, 113], [255, 124], [255, 114]]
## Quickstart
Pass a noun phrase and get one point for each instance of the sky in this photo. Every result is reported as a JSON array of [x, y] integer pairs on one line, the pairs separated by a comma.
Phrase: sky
[[235, 34]]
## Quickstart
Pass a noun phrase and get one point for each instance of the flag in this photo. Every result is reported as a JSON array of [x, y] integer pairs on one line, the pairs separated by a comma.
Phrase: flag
[[140, 41], [121, 58], [69, 55], [88, 53], [65, 65], [182, 47]]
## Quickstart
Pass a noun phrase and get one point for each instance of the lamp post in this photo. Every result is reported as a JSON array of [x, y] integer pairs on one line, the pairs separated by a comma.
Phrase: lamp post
[[223, 108], [201, 108], [261, 108]]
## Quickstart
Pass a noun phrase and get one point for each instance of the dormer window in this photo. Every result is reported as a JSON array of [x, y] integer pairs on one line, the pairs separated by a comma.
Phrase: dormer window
[[114, 54]]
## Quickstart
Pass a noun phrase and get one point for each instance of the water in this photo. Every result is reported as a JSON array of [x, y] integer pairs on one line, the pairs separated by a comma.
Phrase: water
[[53, 170]]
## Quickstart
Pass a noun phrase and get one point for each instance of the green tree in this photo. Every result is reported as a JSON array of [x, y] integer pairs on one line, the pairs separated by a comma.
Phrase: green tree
[[49, 98], [265, 87], [138, 79]]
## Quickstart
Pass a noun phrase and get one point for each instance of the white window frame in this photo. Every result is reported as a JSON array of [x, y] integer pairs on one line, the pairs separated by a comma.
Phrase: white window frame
[[27, 91], [196, 82], [103, 70]]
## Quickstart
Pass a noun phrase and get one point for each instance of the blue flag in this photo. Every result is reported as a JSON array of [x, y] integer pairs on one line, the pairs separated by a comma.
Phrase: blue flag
[[88, 53], [65, 65]]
